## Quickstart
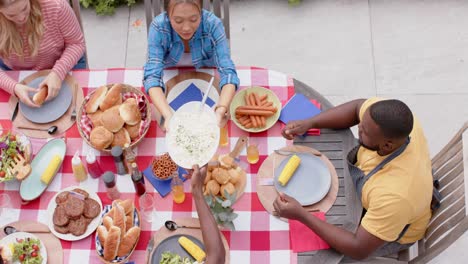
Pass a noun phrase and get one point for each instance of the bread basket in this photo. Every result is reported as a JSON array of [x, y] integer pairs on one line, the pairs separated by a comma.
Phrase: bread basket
[[126, 89]]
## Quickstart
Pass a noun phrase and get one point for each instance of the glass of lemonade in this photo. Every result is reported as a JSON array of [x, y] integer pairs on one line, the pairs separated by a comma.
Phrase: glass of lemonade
[[252, 151], [224, 136], [177, 189]]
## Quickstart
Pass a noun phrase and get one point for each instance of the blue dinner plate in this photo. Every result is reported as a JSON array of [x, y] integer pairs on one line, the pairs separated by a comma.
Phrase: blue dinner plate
[[50, 110], [311, 180]]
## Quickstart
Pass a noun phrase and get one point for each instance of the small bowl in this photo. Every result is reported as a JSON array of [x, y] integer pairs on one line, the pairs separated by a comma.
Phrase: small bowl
[[171, 174]]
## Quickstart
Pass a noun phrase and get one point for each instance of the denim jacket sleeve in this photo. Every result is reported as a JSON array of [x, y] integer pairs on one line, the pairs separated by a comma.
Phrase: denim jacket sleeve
[[157, 47], [222, 57]]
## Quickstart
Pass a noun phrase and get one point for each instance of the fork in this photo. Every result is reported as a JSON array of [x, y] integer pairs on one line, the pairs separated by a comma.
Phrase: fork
[[149, 248], [75, 90], [19, 167]]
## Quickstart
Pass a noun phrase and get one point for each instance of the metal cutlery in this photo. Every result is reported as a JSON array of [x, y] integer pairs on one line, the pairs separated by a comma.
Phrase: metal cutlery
[[289, 153], [75, 92]]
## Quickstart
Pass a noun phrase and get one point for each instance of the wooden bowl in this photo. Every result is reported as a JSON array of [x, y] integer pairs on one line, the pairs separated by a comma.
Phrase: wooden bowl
[[126, 88]]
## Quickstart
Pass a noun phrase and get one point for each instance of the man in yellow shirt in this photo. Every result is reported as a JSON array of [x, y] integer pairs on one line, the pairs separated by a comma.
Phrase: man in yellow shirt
[[391, 171]]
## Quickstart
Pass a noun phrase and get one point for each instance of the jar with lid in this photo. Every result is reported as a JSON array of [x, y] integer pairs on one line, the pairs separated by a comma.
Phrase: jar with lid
[[109, 180], [117, 153], [138, 180], [94, 168], [130, 157]]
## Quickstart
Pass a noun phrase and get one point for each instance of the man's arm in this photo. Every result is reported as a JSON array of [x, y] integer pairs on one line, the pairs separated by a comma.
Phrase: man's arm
[[339, 117], [357, 246]]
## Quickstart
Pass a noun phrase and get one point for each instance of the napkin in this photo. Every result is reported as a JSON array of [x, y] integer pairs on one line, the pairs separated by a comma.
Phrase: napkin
[[191, 93], [163, 187], [303, 239], [300, 107]]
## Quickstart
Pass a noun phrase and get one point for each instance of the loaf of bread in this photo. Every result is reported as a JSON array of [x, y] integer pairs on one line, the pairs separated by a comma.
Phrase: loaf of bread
[[111, 119], [130, 113], [101, 138], [119, 219], [128, 241], [107, 222], [40, 96], [96, 99], [111, 246], [121, 138], [133, 131], [102, 234], [113, 97]]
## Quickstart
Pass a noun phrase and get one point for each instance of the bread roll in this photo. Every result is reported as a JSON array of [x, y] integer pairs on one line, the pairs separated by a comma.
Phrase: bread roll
[[119, 218], [101, 138], [128, 206], [128, 241], [121, 138], [133, 131], [102, 234], [107, 222], [111, 119], [131, 100], [96, 118], [40, 96], [130, 113], [111, 246], [96, 99], [113, 97]]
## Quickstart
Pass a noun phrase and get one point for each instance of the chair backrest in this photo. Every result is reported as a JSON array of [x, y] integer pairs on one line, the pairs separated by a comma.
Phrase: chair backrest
[[450, 221], [75, 4], [219, 7]]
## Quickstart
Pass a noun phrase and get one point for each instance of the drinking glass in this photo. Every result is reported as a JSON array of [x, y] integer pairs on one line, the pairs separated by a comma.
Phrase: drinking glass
[[224, 136], [147, 205], [252, 152], [177, 187], [5, 207]]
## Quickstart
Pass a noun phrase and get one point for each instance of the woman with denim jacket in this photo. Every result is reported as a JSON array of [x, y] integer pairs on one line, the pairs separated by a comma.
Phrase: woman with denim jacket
[[187, 35]]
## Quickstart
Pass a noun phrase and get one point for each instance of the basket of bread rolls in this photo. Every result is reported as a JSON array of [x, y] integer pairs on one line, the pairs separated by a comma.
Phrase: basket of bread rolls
[[118, 234], [114, 115]]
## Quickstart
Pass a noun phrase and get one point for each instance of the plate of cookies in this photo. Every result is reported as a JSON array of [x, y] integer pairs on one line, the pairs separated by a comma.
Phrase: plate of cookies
[[114, 115], [118, 234], [74, 213]]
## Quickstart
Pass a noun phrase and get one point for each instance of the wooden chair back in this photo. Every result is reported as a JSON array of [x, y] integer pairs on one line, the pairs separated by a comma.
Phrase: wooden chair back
[[450, 221], [75, 4], [219, 7]]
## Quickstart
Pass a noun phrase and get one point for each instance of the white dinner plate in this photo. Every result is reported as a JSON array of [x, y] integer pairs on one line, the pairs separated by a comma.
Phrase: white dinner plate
[[91, 227], [311, 180], [23, 235]]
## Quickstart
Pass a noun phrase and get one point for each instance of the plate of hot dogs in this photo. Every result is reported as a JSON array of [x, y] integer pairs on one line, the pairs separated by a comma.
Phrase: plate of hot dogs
[[255, 109]]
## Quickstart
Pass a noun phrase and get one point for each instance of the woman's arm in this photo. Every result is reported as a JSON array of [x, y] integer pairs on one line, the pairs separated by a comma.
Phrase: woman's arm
[[160, 102], [227, 93]]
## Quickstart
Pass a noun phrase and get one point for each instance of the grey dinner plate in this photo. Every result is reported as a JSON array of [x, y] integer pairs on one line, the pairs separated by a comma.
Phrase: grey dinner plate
[[50, 110], [172, 245], [310, 182]]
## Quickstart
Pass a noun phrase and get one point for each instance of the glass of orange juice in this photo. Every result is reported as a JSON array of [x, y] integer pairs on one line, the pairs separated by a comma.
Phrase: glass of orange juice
[[224, 136], [177, 188], [252, 152]]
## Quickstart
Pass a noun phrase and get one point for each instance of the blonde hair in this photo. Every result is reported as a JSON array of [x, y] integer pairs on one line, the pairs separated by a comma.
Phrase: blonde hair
[[170, 4], [11, 41]]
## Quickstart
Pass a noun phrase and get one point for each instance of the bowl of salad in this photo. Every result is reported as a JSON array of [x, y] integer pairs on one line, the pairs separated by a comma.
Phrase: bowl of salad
[[11, 145], [22, 247]]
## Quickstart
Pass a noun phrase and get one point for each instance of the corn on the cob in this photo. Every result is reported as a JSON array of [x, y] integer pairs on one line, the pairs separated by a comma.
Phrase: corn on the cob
[[289, 169], [51, 169], [192, 248]]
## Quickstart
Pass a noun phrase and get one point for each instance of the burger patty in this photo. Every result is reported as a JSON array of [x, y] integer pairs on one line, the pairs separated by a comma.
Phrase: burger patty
[[62, 197], [82, 192], [78, 227], [92, 208], [74, 207], [61, 229], [60, 216]]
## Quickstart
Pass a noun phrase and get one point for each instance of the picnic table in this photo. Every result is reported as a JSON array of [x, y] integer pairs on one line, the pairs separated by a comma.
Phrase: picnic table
[[259, 237]]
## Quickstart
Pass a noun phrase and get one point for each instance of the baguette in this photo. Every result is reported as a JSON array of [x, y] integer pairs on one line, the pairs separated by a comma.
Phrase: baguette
[[107, 222], [128, 241], [111, 246], [119, 218], [102, 234], [40, 96]]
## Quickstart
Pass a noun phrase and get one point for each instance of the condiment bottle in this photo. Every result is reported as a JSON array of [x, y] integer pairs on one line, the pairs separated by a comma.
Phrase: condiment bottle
[[78, 168], [130, 157], [109, 180], [117, 153], [94, 168], [138, 180]]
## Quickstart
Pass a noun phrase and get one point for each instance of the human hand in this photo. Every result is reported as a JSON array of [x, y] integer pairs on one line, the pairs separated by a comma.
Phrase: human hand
[[295, 128], [53, 84], [222, 116], [167, 120], [22, 92], [288, 207], [197, 175]]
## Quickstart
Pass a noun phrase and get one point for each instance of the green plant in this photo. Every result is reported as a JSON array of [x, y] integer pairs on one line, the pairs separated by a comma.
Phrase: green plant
[[222, 210], [294, 2], [105, 7]]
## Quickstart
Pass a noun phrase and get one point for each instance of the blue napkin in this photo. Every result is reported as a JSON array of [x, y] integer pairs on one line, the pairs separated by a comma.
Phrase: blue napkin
[[297, 108], [163, 187], [191, 93]]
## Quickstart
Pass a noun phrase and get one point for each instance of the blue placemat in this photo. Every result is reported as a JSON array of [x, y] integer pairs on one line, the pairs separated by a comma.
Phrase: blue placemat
[[163, 188], [192, 93], [298, 107]]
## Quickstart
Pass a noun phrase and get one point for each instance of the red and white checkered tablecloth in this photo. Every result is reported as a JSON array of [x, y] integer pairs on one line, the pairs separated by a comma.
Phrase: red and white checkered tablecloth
[[259, 237]]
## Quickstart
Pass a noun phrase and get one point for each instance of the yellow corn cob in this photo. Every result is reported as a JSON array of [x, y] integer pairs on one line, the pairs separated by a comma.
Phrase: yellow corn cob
[[51, 169], [192, 248], [289, 169]]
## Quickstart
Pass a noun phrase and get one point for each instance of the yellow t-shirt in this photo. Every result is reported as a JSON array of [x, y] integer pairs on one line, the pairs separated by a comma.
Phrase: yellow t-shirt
[[401, 192]]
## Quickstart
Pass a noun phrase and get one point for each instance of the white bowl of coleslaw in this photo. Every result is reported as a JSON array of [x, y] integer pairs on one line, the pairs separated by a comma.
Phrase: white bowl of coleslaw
[[193, 136]]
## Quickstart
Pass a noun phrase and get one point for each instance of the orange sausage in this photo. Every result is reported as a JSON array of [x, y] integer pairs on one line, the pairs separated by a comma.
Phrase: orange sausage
[[254, 112], [263, 120], [257, 99], [264, 108], [263, 97]]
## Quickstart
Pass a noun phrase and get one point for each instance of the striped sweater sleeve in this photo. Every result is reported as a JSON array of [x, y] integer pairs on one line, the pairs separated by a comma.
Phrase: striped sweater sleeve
[[70, 29], [7, 83]]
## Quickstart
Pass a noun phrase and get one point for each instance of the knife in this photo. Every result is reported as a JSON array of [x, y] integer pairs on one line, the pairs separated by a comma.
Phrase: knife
[[15, 112]]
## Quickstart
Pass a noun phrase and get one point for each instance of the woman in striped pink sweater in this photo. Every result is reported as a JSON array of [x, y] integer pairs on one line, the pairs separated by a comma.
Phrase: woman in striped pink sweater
[[38, 35]]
